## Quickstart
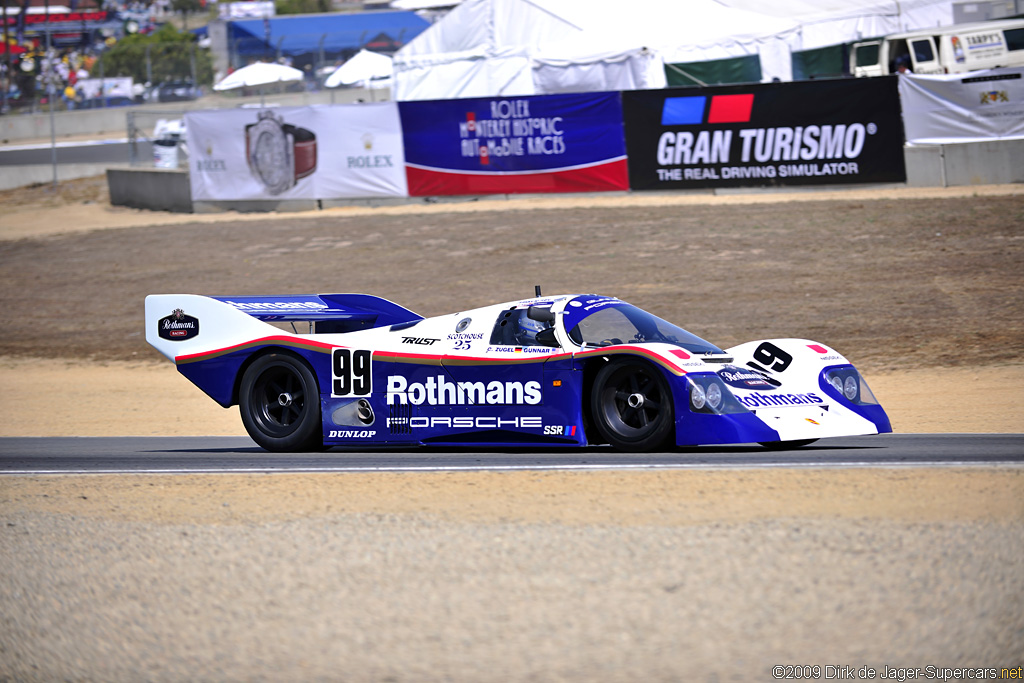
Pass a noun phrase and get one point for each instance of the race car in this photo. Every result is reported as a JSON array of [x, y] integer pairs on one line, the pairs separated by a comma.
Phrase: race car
[[318, 371]]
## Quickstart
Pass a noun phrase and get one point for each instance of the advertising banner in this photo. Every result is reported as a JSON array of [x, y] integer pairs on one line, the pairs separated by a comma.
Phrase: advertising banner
[[545, 143], [317, 152], [801, 133], [971, 107]]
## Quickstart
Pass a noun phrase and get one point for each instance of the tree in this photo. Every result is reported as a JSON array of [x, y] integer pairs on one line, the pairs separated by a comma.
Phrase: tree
[[185, 7], [164, 55], [302, 6]]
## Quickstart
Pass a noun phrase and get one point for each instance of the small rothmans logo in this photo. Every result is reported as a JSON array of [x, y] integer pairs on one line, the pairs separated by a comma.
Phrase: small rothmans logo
[[178, 326]]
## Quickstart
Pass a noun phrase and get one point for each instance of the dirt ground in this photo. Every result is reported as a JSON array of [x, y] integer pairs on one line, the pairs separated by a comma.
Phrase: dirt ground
[[520, 576]]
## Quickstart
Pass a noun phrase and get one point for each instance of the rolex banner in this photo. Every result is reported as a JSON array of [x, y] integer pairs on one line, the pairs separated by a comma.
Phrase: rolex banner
[[802, 133], [316, 152], [544, 143], [972, 107]]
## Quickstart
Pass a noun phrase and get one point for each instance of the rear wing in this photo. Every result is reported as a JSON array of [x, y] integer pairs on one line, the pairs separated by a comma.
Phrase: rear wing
[[329, 312], [182, 325]]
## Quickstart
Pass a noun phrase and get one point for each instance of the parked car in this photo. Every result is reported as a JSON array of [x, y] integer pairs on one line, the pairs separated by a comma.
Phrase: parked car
[[177, 91], [946, 49]]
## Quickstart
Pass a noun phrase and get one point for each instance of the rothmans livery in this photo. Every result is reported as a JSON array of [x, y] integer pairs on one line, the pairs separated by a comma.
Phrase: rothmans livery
[[568, 370]]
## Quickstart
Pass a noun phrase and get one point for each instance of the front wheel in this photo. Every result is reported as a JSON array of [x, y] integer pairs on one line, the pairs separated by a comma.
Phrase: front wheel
[[632, 406], [279, 401]]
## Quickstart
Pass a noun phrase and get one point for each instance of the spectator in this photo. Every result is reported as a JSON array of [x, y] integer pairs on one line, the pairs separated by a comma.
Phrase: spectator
[[69, 97]]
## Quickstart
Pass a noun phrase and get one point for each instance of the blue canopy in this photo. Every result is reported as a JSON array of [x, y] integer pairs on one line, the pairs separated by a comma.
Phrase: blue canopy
[[331, 33]]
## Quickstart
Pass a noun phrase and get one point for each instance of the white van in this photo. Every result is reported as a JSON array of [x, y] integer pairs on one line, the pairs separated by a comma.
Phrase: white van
[[950, 49]]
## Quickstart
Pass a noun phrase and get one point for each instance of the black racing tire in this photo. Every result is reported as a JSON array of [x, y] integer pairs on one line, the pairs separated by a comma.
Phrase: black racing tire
[[279, 400], [631, 404], [786, 445]]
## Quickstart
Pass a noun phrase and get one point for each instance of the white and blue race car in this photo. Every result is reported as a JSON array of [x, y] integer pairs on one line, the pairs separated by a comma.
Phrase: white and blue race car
[[316, 371]]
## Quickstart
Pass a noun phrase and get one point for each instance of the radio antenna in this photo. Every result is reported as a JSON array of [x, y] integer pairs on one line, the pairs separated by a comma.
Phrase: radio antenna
[[536, 290]]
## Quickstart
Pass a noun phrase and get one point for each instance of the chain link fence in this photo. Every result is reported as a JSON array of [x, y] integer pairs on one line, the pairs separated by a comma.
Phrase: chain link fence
[[153, 72], [156, 138]]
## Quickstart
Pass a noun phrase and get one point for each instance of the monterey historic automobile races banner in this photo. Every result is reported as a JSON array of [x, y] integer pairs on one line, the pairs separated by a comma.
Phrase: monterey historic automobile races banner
[[545, 143], [317, 152], [801, 133], [971, 107]]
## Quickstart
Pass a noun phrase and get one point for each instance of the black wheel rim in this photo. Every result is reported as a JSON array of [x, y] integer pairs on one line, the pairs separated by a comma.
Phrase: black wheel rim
[[632, 403], [278, 400]]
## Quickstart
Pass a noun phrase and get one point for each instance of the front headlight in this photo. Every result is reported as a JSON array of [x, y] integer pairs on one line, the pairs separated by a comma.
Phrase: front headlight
[[850, 388], [709, 395], [843, 382], [714, 395], [698, 398]]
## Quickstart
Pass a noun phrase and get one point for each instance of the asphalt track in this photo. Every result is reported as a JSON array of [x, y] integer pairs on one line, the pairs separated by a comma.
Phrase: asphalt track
[[199, 455], [85, 152]]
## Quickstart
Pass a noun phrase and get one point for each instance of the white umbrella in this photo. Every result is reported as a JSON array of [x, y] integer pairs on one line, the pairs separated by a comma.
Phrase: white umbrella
[[366, 66], [258, 75]]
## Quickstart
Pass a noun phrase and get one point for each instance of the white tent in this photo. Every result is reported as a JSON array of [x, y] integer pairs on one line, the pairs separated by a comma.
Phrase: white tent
[[259, 74], [368, 68], [525, 47], [832, 22]]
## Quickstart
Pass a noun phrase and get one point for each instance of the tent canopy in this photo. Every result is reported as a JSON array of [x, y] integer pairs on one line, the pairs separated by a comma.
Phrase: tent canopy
[[366, 66], [258, 74], [833, 22], [523, 47]]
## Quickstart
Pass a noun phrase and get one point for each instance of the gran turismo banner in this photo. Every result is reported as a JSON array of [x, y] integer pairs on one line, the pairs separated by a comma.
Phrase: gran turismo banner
[[973, 107], [552, 143], [801, 133], [316, 152]]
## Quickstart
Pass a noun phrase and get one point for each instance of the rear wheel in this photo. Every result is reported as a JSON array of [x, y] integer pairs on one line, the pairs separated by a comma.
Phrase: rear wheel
[[279, 401], [632, 405]]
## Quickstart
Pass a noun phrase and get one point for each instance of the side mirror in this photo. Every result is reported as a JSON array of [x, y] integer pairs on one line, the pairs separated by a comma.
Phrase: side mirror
[[547, 338]]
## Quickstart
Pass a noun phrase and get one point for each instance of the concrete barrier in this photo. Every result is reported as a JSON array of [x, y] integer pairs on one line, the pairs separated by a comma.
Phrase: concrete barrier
[[19, 127], [984, 163], [157, 189], [998, 162], [981, 163]]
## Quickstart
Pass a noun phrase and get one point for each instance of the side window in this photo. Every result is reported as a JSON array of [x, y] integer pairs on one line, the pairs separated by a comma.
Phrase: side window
[[897, 49], [923, 51], [866, 55], [515, 328], [1014, 39]]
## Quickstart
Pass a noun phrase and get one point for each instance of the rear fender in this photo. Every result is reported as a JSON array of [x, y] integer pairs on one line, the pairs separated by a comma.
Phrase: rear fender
[[211, 341]]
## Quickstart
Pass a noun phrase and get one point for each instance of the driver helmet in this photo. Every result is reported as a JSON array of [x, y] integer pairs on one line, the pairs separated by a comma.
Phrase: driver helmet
[[526, 332]]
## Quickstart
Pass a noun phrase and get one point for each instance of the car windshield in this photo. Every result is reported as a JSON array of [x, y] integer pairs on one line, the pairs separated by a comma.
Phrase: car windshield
[[626, 324]]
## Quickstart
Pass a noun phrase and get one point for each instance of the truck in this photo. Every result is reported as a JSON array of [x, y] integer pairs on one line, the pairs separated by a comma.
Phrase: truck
[[942, 50]]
